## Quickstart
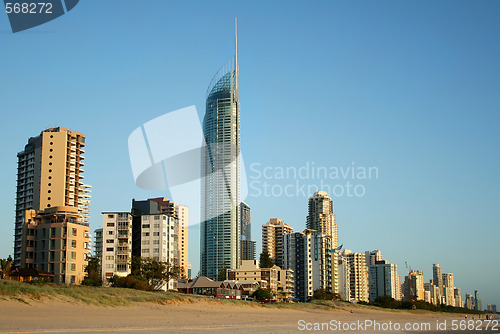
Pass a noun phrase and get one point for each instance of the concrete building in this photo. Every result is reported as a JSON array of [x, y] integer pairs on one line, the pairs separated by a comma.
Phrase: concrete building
[[458, 298], [320, 216], [180, 214], [247, 250], [382, 280], [159, 241], [434, 295], [272, 239], [49, 174], [437, 278], [371, 257], [414, 286], [448, 290], [301, 253], [84, 203], [55, 240], [353, 277], [116, 245], [286, 284], [98, 244], [477, 301], [470, 302]]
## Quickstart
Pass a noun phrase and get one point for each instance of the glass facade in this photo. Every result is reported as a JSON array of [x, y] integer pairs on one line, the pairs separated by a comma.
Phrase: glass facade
[[220, 228]]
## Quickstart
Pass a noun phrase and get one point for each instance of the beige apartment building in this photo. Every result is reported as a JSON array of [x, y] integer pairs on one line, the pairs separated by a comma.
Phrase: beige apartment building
[[51, 195], [249, 271], [353, 277], [54, 240], [272, 239]]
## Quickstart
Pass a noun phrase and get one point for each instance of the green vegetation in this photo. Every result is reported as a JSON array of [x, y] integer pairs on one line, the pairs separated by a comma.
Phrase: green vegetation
[[93, 273], [388, 302], [265, 260], [262, 294], [153, 272], [102, 296], [322, 294]]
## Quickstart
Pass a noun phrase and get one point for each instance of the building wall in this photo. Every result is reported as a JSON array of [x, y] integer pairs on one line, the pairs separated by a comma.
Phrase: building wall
[[183, 216], [321, 217], [353, 275], [383, 280]]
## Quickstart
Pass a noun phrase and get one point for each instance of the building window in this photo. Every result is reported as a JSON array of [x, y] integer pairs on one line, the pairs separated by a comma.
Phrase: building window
[[110, 249], [73, 243], [110, 224], [110, 241]]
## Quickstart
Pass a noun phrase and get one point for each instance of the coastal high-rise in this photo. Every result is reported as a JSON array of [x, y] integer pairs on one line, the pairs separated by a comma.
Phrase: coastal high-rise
[[220, 185], [272, 239], [50, 175], [382, 279], [247, 245], [321, 217], [353, 276]]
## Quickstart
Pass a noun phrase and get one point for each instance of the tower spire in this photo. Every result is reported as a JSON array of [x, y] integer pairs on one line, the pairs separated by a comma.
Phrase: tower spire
[[236, 69]]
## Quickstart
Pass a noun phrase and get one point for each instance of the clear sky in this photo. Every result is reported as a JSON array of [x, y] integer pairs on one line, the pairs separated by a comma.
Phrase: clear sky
[[408, 87]]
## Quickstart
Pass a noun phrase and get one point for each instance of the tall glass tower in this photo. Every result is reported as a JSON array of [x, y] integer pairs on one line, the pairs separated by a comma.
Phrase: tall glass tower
[[220, 197]]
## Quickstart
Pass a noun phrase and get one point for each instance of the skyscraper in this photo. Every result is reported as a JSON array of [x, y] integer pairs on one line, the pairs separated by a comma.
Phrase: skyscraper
[[49, 174], [247, 245], [220, 185], [321, 217]]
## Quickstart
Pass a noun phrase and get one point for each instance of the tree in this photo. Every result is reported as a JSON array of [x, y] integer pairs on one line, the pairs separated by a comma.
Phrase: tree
[[5, 266], [265, 260], [262, 294], [156, 273], [222, 276], [325, 295], [93, 273]]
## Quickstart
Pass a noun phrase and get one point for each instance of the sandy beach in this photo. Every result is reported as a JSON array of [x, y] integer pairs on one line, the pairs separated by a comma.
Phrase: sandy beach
[[208, 316]]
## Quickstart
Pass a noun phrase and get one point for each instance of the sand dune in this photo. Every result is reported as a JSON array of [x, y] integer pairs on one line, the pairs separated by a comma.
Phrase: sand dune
[[59, 316]]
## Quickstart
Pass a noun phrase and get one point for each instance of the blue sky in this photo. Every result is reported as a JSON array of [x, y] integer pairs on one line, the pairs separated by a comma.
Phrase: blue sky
[[408, 87]]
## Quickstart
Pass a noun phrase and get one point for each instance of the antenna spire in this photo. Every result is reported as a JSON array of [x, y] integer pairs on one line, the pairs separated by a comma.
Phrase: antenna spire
[[236, 69]]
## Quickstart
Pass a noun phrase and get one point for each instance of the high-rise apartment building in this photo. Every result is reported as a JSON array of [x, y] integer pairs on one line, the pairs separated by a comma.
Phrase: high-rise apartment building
[[49, 174], [437, 279], [272, 239], [321, 217], [220, 185], [159, 241], [302, 255], [448, 289], [458, 298], [414, 286], [84, 203], [247, 245], [383, 280], [98, 244], [116, 244], [353, 277], [371, 257]]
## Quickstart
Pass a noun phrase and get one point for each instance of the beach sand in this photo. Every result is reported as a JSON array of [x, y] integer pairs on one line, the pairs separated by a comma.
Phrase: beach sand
[[207, 316]]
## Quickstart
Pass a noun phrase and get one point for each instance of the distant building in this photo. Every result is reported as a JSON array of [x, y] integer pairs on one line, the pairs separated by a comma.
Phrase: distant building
[[477, 302], [84, 203], [371, 257], [437, 278], [458, 298], [116, 245], [98, 244], [249, 272], [353, 276], [247, 250], [383, 280], [321, 217], [414, 286], [434, 296], [301, 252], [272, 239], [469, 301], [448, 289], [247, 245], [286, 284]]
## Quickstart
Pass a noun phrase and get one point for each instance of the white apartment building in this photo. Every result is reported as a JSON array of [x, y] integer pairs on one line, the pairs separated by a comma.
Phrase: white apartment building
[[116, 244], [159, 240]]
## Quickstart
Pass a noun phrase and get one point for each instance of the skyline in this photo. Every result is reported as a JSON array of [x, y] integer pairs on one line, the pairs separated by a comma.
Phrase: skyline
[[347, 64]]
